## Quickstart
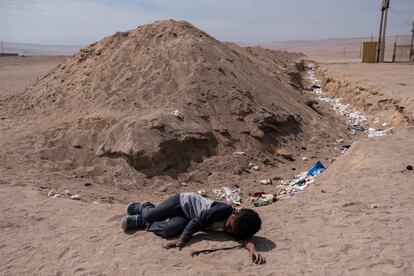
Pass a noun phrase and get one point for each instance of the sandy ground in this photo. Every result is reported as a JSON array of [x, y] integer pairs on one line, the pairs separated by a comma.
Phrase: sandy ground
[[17, 72], [356, 219], [384, 90]]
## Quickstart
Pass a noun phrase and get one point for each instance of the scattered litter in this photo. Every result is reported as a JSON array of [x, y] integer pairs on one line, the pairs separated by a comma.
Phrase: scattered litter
[[51, 193], [355, 118], [304, 158], [66, 192], [177, 114], [250, 165], [256, 168], [339, 140], [354, 127], [373, 206], [75, 197], [345, 148], [202, 193], [409, 167], [316, 169], [262, 199], [265, 181], [372, 132], [232, 196], [87, 184], [240, 153]]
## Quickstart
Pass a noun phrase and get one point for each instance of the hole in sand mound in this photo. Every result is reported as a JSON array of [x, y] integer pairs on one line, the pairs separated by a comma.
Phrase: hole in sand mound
[[274, 129], [173, 157]]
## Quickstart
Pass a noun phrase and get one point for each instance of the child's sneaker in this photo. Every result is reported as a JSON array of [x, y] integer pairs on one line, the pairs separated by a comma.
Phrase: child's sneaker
[[134, 209], [133, 222]]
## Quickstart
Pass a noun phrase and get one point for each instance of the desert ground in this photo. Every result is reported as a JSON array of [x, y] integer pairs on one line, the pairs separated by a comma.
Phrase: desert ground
[[88, 124], [337, 50]]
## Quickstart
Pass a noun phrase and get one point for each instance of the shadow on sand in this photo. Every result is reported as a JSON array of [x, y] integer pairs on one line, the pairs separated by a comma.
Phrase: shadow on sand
[[262, 244]]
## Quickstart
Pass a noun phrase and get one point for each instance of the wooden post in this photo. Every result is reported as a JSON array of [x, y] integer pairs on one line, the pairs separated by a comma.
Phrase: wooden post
[[393, 53]]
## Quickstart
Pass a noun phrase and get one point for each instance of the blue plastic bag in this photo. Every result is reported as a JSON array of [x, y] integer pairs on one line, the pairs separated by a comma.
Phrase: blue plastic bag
[[316, 169]]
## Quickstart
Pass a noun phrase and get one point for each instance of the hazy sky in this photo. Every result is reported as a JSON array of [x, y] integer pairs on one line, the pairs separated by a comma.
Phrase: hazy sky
[[80, 22]]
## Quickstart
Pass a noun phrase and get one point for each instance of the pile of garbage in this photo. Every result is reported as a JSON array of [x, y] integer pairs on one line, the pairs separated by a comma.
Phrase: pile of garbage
[[355, 118]]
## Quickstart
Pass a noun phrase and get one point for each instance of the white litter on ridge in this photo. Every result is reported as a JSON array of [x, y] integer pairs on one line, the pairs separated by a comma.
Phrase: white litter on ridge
[[354, 116]]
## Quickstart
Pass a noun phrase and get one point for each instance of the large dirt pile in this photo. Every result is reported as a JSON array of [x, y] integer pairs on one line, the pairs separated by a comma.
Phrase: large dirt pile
[[106, 113]]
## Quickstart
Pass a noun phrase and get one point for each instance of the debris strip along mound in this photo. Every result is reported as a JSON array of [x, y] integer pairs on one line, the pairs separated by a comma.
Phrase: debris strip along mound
[[159, 100]]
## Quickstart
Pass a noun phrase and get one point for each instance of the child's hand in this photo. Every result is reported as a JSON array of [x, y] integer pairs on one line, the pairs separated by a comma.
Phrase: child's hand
[[174, 243], [257, 258]]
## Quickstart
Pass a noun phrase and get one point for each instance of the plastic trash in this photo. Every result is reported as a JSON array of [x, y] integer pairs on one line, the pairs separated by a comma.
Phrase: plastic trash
[[355, 127], [75, 197], [345, 148], [262, 199], [240, 153], [202, 193], [265, 181], [176, 113], [316, 169], [372, 132]]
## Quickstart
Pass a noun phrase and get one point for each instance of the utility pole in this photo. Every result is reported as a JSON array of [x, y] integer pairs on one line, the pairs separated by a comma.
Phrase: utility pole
[[383, 25], [412, 42], [2, 49], [386, 3]]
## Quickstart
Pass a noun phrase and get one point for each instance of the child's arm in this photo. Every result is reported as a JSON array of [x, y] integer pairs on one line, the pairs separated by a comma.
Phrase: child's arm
[[218, 212], [256, 257]]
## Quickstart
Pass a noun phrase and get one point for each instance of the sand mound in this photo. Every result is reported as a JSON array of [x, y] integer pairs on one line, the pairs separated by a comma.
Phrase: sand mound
[[106, 113]]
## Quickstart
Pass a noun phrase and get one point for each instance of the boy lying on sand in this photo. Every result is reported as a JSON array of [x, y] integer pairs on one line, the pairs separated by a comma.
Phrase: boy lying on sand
[[186, 213]]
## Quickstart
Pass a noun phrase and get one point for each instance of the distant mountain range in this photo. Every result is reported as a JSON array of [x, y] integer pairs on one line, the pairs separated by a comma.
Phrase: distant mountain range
[[40, 49], [339, 46]]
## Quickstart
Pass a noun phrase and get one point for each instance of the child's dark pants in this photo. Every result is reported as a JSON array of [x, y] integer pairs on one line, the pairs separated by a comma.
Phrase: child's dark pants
[[167, 219]]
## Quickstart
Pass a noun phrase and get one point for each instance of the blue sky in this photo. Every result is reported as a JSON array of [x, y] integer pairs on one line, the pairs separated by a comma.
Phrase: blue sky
[[79, 22]]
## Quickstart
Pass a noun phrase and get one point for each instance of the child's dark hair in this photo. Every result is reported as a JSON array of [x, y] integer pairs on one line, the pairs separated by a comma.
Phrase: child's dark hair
[[246, 223]]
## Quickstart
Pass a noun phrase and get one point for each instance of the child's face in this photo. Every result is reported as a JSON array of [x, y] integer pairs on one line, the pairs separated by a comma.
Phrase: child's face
[[230, 221]]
